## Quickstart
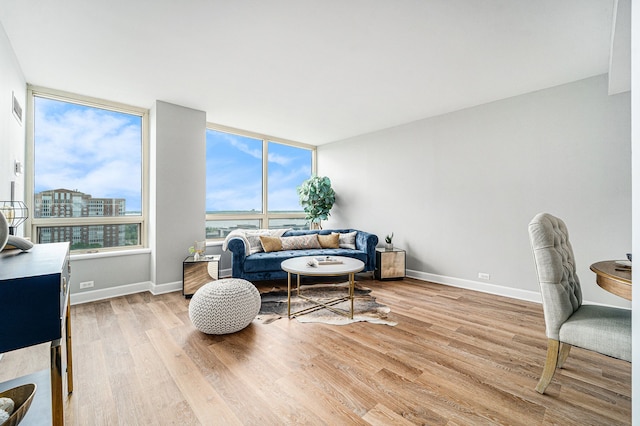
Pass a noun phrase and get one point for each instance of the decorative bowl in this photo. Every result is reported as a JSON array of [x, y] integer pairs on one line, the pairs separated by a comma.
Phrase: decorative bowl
[[22, 397]]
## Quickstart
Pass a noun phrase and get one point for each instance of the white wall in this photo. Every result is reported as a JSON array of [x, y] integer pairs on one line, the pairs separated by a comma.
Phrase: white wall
[[635, 125], [459, 190], [12, 133], [178, 187]]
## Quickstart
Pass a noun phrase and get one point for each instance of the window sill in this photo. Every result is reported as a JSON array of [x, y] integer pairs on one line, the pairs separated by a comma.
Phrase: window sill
[[115, 253]]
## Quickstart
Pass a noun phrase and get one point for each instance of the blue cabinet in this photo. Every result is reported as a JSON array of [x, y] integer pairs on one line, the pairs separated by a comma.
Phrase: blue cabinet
[[34, 306]]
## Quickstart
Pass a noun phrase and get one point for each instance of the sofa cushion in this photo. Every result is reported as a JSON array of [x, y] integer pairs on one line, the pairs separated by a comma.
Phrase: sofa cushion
[[348, 240], [329, 241], [300, 242], [270, 244], [270, 262]]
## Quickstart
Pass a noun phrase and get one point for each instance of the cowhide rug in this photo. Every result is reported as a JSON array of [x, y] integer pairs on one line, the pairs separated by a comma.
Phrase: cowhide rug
[[365, 307]]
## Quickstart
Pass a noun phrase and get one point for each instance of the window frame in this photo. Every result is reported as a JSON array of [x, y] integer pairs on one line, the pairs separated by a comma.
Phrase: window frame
[[265, 215], [32, 224]]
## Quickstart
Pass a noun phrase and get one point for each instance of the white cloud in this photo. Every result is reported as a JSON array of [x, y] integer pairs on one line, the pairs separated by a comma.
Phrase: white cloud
[[95, 151], [244, 147], [279, 159]]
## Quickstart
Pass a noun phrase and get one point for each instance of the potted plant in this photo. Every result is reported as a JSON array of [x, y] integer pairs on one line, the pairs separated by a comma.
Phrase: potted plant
[[316, 198], [198, 249], [388, 242]]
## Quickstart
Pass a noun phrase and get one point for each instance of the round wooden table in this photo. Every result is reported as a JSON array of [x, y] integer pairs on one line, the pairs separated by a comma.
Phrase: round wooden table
[[614, 276]]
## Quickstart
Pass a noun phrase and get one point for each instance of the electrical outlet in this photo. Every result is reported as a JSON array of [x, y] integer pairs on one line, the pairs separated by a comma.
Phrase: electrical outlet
[[484, 276], [86, 284]]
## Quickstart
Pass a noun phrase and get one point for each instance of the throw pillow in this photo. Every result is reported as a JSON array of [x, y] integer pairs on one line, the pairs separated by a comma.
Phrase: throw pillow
[[329, 241], [348, 240], [270, 243], [255, 246], [300, 242]]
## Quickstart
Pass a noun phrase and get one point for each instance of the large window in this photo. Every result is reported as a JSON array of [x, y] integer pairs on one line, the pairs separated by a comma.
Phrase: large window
[[252, 181], [87, 180]]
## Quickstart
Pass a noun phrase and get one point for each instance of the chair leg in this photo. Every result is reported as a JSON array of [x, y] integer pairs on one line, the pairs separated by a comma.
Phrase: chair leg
[[550, 365], [564, 353]]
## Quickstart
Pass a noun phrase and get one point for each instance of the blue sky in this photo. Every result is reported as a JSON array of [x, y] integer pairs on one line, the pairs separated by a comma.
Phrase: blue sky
[[93, 150], [98, 152], [234, 173]]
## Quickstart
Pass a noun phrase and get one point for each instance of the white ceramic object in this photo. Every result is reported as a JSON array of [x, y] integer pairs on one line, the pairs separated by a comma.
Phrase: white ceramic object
[[4, 231]]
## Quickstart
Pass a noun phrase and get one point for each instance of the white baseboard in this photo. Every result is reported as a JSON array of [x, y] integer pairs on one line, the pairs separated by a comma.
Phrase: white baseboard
[[123, 290], [155, 289], [514, 293], [499, 290]]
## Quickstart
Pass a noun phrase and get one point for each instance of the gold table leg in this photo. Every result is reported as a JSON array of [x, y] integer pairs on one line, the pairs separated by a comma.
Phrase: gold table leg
[[351, 292], [322, 305], [289, 295]]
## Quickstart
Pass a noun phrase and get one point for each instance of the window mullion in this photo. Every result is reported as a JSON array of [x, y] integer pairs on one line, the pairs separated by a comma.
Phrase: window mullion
[[265, 184]]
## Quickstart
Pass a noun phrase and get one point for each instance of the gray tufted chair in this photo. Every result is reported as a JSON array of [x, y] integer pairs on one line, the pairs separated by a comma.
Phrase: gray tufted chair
[[602, 329]]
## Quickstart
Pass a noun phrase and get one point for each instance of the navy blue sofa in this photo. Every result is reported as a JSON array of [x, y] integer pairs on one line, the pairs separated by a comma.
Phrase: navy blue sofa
[[266, 266]]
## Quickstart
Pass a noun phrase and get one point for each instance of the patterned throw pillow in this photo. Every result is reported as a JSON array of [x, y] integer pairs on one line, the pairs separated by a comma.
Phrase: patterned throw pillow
[[255, 245], [270, 243], [348, 240], [329, 241], [300, 242]]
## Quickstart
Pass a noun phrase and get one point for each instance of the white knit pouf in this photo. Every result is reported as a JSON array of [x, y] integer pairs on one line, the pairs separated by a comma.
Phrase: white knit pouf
[[224, 306]]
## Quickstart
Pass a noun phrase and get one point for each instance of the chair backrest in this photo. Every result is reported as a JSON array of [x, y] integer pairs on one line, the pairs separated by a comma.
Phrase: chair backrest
[[556, 268]]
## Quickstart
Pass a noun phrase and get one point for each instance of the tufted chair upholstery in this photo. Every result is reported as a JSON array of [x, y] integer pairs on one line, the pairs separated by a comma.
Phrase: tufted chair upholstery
[[603, 329], [556, 267]]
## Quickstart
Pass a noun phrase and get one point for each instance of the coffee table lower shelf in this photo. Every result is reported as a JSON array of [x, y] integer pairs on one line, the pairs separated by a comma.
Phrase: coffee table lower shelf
[[318, 303], [301, 266]]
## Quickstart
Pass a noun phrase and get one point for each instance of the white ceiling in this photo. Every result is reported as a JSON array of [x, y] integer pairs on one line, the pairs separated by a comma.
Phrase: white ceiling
[[310, 71]]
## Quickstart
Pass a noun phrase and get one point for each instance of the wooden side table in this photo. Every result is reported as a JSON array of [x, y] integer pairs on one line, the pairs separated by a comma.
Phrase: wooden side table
[[390, 264], [196, 273]]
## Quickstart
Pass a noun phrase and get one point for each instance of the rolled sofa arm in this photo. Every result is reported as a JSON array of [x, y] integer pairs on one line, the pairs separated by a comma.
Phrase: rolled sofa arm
[[238, 255], [367, 242]]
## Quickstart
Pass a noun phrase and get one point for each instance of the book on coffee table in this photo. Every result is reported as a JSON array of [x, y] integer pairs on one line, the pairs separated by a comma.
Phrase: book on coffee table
[[326, 260]]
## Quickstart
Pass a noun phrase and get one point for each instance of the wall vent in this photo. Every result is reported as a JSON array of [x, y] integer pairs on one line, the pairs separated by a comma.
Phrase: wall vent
[[17, 108]]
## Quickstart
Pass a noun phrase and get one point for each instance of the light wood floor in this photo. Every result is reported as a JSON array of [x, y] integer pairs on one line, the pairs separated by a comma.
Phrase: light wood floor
[[456, 357]]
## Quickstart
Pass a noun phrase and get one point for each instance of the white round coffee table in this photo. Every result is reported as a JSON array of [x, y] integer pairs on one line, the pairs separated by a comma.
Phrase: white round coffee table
[[338, 266]]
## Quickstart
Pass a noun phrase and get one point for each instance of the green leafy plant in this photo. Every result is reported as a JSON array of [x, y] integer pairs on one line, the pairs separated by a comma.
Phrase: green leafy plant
[[198, 248], [389, 238], [316, 198]]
